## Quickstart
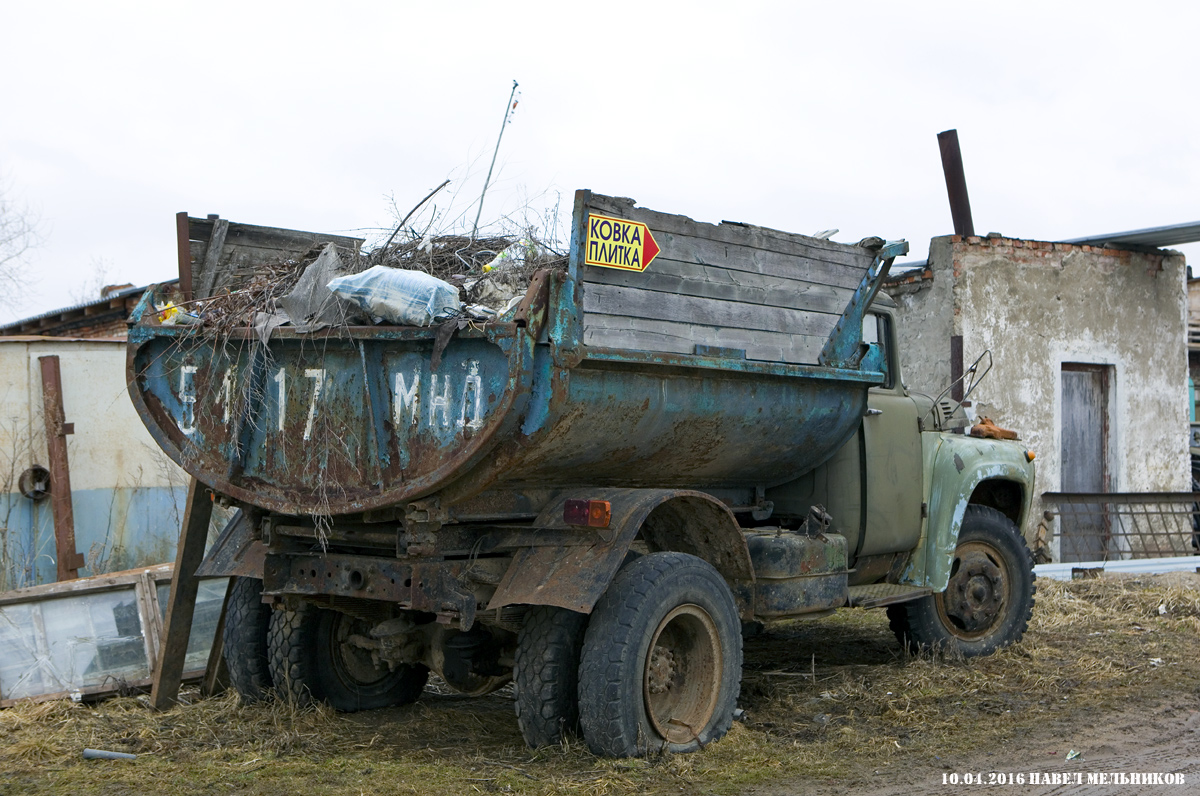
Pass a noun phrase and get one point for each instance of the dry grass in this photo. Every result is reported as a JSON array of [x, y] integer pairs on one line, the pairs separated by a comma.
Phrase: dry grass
[[832, 698]]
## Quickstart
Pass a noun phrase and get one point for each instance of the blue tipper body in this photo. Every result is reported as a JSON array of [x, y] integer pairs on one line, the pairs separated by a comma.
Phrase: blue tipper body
[[353, 419]]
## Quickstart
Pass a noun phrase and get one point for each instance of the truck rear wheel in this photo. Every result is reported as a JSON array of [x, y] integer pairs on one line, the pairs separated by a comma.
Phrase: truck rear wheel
[[547, 674], [661, 664], [989, 599], [313, 659], [244, 640]]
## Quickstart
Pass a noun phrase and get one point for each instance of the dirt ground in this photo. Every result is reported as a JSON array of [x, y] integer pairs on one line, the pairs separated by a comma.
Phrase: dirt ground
[[832, 706]]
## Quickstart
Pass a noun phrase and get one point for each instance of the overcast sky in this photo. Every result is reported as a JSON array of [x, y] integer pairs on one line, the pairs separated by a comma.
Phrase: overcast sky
[[1074, 118]]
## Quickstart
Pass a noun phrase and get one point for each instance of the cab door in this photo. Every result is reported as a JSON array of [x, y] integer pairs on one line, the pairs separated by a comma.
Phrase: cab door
[[892, 461]]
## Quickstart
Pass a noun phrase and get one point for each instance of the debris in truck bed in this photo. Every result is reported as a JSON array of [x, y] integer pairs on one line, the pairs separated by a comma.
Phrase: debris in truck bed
[[399, 295], [487, 272]]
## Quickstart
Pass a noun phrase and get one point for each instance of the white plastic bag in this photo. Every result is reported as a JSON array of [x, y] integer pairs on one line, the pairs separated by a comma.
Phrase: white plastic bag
[[407, 298]]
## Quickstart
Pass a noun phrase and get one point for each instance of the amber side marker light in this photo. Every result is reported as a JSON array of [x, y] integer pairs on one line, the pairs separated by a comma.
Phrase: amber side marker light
[[1030, 456], [589, 513]]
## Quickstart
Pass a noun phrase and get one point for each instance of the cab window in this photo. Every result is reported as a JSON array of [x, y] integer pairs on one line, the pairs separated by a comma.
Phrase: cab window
[[877, 329]]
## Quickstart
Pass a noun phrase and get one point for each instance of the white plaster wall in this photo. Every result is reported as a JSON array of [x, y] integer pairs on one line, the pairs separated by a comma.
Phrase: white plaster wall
[[924, 323], [127, 495], [1037, 306], [111, 446]]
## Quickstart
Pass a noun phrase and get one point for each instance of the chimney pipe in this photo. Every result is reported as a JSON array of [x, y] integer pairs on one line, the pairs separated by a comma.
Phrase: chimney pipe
[[956, 183]]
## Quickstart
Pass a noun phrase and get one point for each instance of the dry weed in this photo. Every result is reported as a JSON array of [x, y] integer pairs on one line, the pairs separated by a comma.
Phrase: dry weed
[[825, 699]]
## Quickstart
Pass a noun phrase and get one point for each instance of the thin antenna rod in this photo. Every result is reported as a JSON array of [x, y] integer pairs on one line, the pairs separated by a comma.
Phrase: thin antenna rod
[[507, 111]]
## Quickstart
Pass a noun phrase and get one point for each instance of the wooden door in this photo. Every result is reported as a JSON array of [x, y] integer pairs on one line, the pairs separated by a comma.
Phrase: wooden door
[[1084, 458]]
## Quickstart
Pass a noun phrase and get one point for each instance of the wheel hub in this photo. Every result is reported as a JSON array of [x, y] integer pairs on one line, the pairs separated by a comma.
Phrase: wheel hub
[[354, 665], [975, 596], [681, 678], [662, 669]]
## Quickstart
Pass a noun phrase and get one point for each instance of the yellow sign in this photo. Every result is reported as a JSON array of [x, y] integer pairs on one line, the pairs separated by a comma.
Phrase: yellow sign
[[617, 243]]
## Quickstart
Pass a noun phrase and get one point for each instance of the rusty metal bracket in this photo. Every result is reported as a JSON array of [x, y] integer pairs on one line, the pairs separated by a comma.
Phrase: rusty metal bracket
[[422, 520], [432, 586], [844, 348], [531, 311]]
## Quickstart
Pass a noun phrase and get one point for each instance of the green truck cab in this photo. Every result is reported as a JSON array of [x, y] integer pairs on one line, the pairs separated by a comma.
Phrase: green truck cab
[[930, 514]]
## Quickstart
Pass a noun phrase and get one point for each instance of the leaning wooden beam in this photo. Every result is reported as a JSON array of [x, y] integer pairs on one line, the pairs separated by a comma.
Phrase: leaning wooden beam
[[68, 559], [182, 602]]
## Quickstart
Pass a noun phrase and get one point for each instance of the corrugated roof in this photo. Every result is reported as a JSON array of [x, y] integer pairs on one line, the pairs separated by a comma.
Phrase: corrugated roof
[[1171, 235], [121, 294]]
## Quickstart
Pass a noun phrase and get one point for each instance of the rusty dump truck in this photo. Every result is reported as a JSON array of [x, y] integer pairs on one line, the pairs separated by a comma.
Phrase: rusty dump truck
[[689, 430]]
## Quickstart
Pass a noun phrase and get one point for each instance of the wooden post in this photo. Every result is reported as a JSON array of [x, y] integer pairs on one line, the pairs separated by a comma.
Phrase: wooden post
[[182, 602], [68, 559]]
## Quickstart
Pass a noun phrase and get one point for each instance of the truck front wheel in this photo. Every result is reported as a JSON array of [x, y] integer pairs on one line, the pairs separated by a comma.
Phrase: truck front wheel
[[661, 664], [989, 599], [313, 659]]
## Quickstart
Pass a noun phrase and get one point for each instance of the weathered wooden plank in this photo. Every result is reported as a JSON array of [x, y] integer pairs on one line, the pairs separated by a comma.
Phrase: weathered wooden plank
[[96, 583], [210, 269], [183, 252], [146, 591], [615, 300], [182, 603], [717, 282], [67, 558], [734, 233], [759, 261], [250, 235], [224, 253], [647, 334]]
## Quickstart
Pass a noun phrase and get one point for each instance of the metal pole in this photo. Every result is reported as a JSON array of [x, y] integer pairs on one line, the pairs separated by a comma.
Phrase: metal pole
[[956, 183], [488, 179]]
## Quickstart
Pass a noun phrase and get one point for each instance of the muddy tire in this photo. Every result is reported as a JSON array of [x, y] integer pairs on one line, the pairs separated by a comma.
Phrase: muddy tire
[[661, 664], [311, 661], [244, 640], [547, 674], [989, 600]]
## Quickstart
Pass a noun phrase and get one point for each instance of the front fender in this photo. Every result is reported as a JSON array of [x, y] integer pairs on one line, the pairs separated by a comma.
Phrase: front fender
[[954, 466]]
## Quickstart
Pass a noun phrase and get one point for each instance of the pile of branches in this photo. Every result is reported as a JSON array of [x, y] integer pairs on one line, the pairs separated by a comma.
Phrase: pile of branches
[[230, 309], [443, 256], [461, 260]]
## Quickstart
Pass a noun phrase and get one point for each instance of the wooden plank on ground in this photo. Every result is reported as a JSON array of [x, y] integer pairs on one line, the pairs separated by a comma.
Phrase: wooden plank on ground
[[182, 603], [94, 692]]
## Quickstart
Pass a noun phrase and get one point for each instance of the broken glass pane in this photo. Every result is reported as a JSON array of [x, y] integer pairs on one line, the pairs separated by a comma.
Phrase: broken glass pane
[[61, 644], [209, 599]]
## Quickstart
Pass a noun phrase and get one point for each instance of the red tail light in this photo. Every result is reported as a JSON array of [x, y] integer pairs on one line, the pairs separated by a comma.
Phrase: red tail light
[[589, 513]]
